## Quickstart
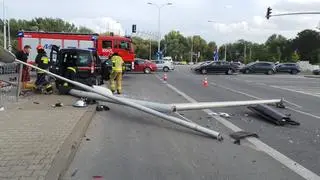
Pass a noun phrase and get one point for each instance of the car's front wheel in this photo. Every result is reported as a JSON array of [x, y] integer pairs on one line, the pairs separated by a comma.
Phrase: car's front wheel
[[204, 71], [147, 70], [247, 71], [270, 72], [165, 69], [229, 72], [294, 72]]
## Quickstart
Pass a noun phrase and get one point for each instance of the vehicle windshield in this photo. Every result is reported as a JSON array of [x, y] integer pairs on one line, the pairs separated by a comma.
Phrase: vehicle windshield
[[250, 63]]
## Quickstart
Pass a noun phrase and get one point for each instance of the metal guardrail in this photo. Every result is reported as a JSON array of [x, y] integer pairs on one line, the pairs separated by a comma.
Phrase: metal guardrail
[[9, 78]]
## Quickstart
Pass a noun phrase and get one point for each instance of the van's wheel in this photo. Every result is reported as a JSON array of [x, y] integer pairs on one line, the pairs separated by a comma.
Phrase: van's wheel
[[294, 71], [165, 69], [97, 81], [147, 70], [204, 71], [270, 72], [229, 72]]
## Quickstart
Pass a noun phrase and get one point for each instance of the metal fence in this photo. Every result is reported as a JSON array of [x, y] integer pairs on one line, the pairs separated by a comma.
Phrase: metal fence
[[9, 86]]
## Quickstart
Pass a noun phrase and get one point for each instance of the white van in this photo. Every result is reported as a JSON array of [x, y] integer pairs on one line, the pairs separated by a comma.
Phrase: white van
[[168, 58]]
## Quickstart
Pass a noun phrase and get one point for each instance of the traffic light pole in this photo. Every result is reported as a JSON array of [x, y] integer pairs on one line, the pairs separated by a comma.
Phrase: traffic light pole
[[288, 14], [296, 13]]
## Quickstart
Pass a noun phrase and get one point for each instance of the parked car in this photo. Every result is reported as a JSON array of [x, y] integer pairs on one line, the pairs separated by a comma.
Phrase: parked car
[[199, 63], [164, 65], [238, 64], [145, 66], [316, 72], [216, 67], [292, 68], [259, 67]]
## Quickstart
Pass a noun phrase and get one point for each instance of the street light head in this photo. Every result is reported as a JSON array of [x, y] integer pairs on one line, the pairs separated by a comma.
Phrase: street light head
[[169, 4], [150, 3]]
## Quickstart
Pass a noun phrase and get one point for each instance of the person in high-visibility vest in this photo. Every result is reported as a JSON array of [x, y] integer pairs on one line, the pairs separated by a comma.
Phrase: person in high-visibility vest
[[42, 61], [70, 73], [116, 73]]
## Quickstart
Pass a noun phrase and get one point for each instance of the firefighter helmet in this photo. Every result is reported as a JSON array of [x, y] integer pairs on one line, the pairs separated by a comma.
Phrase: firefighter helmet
[[39, 47]]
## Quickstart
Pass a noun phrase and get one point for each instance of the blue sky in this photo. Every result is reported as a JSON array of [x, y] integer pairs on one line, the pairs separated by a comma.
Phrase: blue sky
[[234, 19]]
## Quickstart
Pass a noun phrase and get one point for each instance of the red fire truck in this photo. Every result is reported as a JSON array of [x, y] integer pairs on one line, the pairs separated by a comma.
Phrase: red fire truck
[[103, 44]]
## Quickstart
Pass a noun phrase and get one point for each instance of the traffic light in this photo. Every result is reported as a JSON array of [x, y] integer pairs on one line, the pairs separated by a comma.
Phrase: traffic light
[[134, 28], [268, 15]]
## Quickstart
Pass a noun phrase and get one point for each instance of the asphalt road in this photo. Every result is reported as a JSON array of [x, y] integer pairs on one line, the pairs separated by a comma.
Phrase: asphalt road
[[124, 143], [301, 143]]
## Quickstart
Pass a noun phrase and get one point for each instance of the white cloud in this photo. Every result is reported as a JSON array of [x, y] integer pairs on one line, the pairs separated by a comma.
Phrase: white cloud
[[101, 24]]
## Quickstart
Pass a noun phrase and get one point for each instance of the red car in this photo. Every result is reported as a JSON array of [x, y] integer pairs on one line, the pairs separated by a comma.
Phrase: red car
[[145, 66]]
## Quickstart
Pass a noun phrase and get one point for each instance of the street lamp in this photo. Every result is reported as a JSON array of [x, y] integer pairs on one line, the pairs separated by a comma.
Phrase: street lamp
[[159, 35], [4, 27], [225, 46]]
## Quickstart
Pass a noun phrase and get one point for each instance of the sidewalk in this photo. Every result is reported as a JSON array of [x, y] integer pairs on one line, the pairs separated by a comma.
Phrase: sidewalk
[[312, 76], [38, 140]]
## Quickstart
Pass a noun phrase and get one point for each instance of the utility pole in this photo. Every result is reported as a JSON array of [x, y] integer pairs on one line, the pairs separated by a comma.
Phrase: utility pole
[[191, 53], [150, 50], [250, 55], [245, 53], [4, 27], [225, 52], [9, 37], [159, 25]]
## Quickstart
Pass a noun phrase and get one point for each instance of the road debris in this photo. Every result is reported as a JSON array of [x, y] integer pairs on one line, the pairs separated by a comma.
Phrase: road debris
[[272, 115], [102, 108], [80, 103], [57, 105], [225, 115], [97, 178], [1, 108], [213, 114], [74, 173], [241, 135]]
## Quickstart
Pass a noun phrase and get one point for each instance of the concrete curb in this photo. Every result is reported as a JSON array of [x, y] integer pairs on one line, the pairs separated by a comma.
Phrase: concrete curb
[[312, 76], [70, 146]]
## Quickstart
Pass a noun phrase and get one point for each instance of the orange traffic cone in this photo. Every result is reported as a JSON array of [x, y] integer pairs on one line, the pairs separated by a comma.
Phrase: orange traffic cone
[[165, 77], [205, 82]]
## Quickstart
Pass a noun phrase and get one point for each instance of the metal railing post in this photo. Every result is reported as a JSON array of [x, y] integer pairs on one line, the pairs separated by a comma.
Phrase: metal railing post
[[19, 82]]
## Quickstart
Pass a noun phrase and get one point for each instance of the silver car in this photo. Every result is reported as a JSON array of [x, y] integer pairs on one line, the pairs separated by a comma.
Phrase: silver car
[[164, 65]]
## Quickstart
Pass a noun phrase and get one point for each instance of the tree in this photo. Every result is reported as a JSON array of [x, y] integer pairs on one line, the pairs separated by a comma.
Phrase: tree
[[307, 43], [276, 45], [295, 57], [208, 54], [86, 30], [176, 45]]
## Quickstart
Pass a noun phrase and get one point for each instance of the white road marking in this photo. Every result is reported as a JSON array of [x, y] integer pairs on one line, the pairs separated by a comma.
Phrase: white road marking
[[301, 92], [305, 113], [289, 163]]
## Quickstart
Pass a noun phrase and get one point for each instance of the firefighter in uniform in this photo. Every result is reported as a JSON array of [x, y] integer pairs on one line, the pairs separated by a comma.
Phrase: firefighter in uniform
[[116, 73], [70, 73], [42, 61]]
